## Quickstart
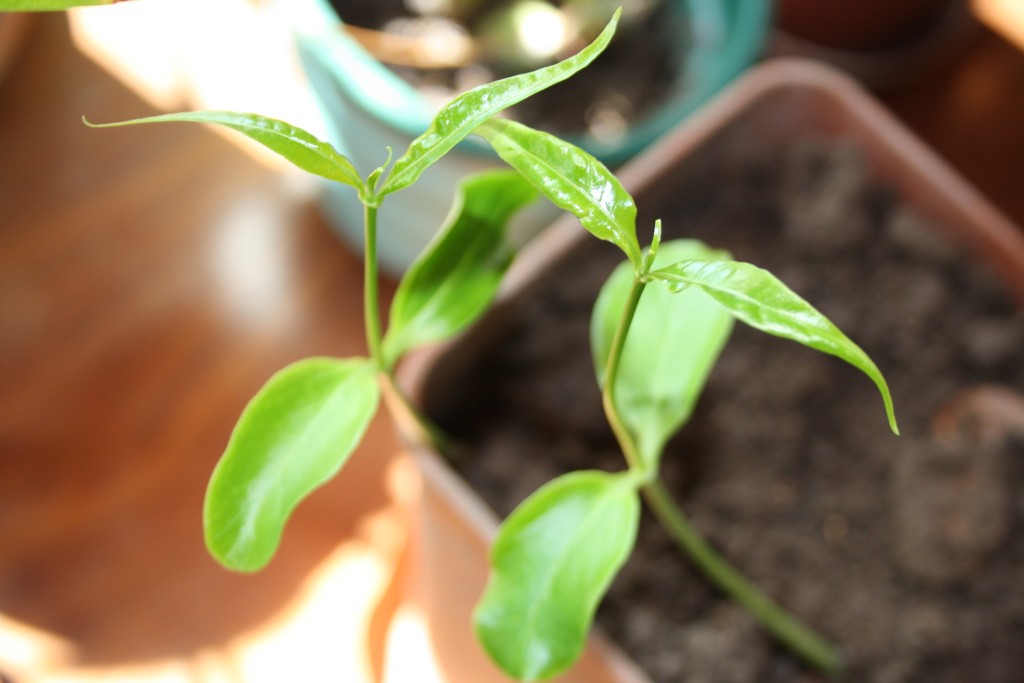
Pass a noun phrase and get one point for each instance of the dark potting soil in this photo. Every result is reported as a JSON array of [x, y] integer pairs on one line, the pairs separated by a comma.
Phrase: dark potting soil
[[906, 551], [624, 85]]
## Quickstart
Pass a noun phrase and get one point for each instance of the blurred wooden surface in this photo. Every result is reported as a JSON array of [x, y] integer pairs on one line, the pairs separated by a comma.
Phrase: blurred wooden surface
[[151, 279], [973, 116]]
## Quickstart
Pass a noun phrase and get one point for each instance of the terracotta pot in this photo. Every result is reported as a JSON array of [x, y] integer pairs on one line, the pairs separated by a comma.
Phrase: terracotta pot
[[773, 104], [883, 44], [862, 25]]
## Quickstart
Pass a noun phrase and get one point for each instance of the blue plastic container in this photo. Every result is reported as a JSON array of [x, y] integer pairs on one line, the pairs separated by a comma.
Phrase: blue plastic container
[[366, 108]]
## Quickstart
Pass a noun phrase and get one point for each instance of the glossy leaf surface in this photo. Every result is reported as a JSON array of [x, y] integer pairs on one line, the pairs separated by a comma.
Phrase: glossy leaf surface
[[571, 178], [462, 115], [456, 278], [294, 435], [296, 145], [673, 343], [759, 299], [552, 562]]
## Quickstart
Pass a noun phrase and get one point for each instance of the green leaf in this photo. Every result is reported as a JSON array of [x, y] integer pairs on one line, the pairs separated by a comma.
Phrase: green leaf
[[48, 5], [462, 115], [294, 435], [571, 178], [456, 278], [759, 299], [294, 144], [673, 343], [552, 562]]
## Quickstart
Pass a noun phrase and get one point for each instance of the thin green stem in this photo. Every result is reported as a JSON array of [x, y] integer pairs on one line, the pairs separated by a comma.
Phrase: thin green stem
[[803, 641], [398, 402], [402, 407], [371, 298], [625, 439]]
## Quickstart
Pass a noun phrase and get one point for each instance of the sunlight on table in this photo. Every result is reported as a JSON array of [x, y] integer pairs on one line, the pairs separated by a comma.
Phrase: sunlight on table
[[1004, 16], [202, 54], [319, 636]]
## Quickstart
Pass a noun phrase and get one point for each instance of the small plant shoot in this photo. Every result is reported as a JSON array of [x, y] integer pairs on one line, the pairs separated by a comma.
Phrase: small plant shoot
[[652, 360], [280, 452], [658, 326]]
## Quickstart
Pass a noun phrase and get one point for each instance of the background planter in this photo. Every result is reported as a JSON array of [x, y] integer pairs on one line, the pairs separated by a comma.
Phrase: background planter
[[755, 118], [367, 107], [884, 45]]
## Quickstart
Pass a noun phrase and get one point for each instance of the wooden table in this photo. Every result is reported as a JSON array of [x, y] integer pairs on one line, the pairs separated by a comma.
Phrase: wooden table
[[150, 281]]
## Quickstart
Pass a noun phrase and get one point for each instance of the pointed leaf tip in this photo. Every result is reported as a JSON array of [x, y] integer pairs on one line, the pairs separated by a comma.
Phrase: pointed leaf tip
[[452, 283], [756, 297], [298, 146], [674, 341]]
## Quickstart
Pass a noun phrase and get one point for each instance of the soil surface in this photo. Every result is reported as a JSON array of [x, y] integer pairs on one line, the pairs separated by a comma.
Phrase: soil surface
[[906, 551], [624, 85]]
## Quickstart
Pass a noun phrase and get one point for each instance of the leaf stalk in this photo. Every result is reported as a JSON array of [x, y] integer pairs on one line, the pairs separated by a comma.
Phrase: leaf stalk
[[371, 296], [626, 441], [786, 628]]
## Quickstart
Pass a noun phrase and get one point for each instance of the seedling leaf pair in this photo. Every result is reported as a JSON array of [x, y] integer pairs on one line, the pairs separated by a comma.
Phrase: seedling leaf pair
[[301, 428], [572, 179], [678, 331]]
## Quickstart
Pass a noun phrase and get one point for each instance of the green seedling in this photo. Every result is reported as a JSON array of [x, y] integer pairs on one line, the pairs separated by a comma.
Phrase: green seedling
[[557, 553], [302, 426], [651, 359]]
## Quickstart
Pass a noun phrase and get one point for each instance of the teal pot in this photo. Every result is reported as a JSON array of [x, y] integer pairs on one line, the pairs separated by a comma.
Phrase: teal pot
[[367, 108], [14, 29]]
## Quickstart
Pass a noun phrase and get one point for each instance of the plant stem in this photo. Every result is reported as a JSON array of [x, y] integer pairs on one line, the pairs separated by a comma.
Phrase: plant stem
[[622, 435], [371, 304], [804, 642], [401, 405], [397, 400]]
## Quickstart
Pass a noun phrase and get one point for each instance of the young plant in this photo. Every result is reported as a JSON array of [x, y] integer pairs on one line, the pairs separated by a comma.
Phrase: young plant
[[302, 426], [557, 553]]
